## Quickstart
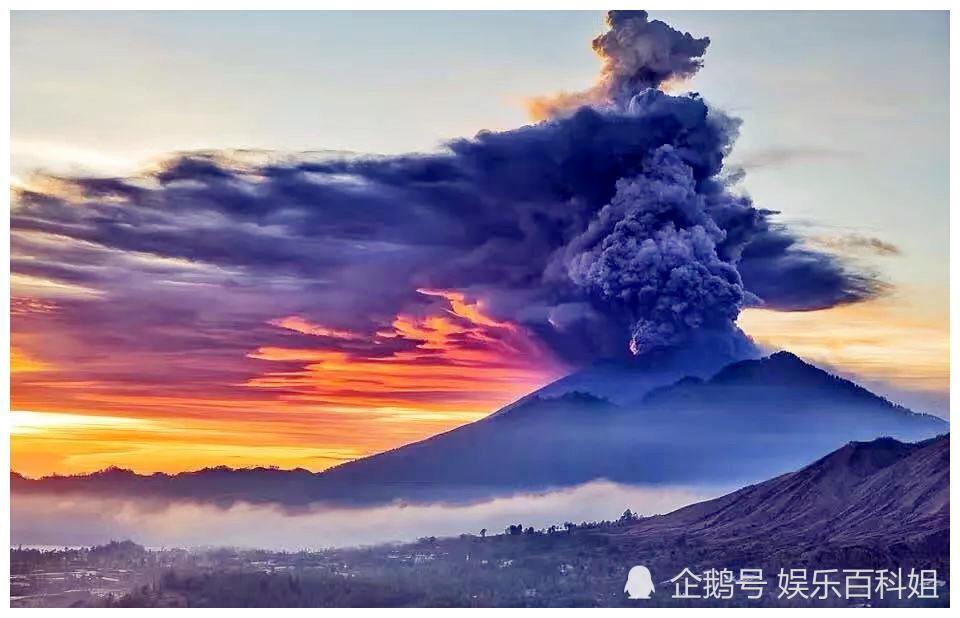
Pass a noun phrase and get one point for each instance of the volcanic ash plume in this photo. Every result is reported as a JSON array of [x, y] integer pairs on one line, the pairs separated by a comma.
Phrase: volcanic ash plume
[[653, 249], [609, 229]]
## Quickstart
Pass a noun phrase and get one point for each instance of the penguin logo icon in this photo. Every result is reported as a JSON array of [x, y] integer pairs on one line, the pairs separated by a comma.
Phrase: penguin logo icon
[[639, 583]]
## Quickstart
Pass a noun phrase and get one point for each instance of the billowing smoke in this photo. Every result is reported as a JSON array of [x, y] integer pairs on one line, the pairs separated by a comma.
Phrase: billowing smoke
[[607, 229], [637, 54], [653, 249]]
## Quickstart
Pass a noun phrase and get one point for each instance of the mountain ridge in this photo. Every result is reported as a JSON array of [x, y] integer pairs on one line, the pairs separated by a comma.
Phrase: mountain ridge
[[874, 495]]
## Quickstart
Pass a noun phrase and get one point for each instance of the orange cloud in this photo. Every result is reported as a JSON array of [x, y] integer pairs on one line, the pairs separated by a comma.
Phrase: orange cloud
[[459, 361], [460, 307], [561, 103]]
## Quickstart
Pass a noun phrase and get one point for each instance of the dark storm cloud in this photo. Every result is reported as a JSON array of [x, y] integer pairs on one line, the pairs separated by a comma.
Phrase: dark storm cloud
[[607, 229], [785, 275]]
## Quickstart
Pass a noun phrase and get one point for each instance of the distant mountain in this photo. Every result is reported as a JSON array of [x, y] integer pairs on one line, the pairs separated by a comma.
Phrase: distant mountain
[[869, 504], [222, 486], [752, 420]]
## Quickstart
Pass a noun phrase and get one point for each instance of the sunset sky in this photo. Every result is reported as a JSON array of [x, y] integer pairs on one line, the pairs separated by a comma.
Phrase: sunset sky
[[220, 338]]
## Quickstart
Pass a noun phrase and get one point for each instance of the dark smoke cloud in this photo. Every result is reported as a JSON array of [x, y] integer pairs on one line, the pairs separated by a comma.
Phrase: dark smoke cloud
[[653, 250], [608, 229]]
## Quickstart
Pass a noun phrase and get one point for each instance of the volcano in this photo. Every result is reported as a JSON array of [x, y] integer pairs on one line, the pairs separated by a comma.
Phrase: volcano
[[749, 421]]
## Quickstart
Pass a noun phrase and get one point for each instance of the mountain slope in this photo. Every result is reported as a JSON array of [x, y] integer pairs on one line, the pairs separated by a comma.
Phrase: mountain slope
[[866, 501]]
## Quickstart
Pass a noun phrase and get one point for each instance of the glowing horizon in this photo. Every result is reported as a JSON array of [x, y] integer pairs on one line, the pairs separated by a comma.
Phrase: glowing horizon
[[463, 366], [173, 435]]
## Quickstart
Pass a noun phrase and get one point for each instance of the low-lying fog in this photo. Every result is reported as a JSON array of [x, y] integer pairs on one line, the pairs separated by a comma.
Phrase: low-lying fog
[[77, 520]]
